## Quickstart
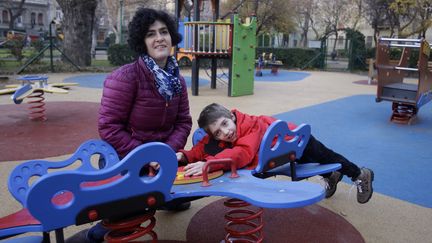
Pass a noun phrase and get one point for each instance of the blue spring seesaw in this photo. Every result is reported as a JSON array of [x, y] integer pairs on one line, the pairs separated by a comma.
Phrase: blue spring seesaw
[[62, 197]]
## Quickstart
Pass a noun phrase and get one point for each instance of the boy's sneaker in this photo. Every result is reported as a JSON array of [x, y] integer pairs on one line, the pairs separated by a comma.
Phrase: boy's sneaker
[[364, 185], [331, 183], [81, 236]]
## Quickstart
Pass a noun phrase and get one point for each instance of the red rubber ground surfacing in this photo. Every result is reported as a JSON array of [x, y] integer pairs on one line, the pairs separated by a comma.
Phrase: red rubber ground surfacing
[[308, 224], [68, 125]]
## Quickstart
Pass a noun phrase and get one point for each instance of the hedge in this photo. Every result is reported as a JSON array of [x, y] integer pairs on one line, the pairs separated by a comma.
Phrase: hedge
[[293, 57], [120, 54]]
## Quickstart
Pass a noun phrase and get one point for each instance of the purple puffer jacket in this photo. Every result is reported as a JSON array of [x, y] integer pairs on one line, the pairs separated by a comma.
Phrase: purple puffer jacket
[[133, 112]]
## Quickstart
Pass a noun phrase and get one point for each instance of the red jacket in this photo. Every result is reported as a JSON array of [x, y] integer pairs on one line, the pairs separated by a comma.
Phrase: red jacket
[[244, 151]]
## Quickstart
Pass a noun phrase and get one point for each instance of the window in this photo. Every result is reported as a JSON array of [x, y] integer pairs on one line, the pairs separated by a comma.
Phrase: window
[[101, 36], [19, 21], [340, 40], [5, 16], [59, 14], [32, 19], [40, 19], [369, 41]]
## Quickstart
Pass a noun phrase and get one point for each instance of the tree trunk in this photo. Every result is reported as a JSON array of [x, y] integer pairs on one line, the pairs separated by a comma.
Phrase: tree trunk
[[77, 27], [14, 15]]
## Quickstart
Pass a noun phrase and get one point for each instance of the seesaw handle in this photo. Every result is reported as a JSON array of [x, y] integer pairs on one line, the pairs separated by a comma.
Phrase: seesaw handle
[[211, 162]]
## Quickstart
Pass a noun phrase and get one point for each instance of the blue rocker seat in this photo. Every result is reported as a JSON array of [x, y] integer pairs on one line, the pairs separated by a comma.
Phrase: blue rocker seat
[[280, 150], [20, 186]]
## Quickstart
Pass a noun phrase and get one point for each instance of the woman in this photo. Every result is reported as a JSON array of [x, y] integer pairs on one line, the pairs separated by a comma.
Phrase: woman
[[145, 101]]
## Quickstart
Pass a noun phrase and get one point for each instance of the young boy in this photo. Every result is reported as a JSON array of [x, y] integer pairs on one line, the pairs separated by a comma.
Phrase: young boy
[[236, 135]]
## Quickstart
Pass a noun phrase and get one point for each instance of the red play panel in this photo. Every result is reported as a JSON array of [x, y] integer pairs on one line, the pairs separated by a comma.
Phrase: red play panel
[[68, 125]]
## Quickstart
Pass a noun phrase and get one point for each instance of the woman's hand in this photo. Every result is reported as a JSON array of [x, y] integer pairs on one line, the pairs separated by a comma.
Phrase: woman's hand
[[194, 169]]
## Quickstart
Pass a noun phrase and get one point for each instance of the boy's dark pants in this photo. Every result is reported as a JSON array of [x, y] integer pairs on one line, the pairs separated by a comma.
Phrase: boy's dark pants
[[317, 152]]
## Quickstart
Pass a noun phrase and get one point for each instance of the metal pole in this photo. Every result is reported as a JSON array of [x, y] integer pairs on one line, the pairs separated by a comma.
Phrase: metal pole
[[396, 39], [51, 46], [121, 22]]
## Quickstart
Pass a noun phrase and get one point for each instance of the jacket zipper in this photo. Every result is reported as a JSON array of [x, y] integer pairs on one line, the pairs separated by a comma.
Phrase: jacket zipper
[[164, 114]]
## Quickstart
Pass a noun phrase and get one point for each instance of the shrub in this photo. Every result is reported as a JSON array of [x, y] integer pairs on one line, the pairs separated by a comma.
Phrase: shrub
[[120, 54], [358, 54], [294, 57], [16, 46], [37, 47]]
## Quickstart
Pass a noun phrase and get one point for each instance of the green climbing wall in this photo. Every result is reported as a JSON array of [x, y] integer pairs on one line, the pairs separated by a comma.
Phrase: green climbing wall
[[243, 57]]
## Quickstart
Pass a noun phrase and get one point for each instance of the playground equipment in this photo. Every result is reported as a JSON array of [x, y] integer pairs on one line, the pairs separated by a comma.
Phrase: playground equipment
[[269, 60], [372, 73], [407, 96], [123, 197], [33, 87], [215, 40]]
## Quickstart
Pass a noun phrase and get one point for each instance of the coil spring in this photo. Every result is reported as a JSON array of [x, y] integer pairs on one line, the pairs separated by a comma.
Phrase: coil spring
[[243, 224], [131, 228], [37, 106], [403, 113]]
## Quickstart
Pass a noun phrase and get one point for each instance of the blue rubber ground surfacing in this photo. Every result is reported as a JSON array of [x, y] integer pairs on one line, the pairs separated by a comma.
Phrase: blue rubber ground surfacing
[[359, 128], [281, 76], [96, 80]]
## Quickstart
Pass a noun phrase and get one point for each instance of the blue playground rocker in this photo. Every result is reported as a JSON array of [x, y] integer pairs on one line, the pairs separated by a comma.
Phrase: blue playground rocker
[[121, 193]]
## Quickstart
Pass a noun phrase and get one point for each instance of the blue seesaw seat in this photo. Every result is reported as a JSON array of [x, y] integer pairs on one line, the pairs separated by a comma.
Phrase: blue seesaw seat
[[19, 185], [279, 155], [77, 196]]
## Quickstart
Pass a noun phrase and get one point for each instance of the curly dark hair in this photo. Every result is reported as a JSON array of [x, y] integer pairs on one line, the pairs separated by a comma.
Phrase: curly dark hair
[[140, 25]]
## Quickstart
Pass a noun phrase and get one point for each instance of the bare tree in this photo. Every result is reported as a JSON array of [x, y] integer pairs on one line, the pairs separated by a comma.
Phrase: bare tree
[[403, 13], [78, 22], [100, 12], [272, 15], [412, 17], [117, 12], [375, 13], [333, 16], [404, 18], [304, 19], [15, 10], [353, 13], [113, 9], [425, 15]]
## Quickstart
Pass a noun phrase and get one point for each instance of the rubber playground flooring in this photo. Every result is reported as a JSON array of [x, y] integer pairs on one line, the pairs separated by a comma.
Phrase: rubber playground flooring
[[96, 80], [343, 113]]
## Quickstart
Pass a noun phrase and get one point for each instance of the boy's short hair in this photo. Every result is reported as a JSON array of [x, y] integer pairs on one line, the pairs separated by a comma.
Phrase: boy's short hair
[[212, 113]]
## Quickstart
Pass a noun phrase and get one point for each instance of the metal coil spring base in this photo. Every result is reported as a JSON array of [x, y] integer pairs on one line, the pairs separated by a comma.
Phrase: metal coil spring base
[[37, 106], [131, 228], [403, 113], [243, 225]]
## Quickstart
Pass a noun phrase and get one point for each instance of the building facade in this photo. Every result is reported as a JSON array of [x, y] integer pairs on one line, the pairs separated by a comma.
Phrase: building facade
[[34, 19]]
